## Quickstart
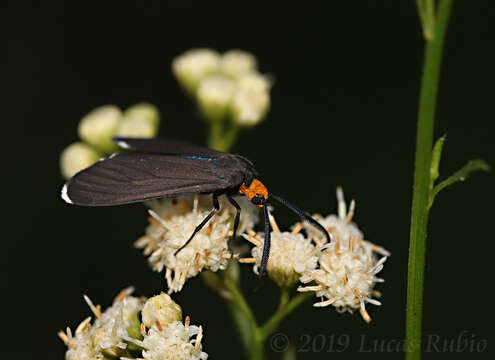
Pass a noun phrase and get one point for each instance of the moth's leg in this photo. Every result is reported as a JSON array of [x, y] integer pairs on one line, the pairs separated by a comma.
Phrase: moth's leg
[[236, 223], [216, 206]]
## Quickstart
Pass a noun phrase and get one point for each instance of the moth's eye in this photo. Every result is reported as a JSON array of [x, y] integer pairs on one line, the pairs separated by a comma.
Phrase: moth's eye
[[258, 199]]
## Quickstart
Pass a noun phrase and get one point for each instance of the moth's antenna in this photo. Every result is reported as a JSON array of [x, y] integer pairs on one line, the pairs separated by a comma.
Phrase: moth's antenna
[[266, 244], [266, 247], [301, 214]]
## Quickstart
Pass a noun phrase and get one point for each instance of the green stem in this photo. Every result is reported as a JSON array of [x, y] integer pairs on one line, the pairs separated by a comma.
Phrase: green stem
[[244, 318], [215, 134], [241, 303], [419, 215], [272, 324], [284, 297]]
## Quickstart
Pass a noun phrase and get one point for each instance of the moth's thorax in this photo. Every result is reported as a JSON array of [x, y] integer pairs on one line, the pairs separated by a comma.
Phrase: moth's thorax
[[255, 188]]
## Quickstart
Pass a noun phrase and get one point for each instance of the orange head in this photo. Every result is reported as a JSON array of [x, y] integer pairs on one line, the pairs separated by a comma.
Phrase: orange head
[[256, 192]]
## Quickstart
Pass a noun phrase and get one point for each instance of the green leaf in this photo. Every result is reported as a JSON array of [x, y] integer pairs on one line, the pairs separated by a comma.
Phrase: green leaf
[[459, 175], [426, 12], [435, 162]]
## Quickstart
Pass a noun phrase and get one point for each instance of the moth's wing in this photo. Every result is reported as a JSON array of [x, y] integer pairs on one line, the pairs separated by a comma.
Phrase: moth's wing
[[161, 146], [132, 177]]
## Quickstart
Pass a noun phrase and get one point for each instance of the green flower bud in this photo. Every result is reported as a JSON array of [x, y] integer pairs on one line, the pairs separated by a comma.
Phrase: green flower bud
[[160, 308], [214, 96], [144, 111], [235, 63], [193, 66], [76, 157], [99, 126]]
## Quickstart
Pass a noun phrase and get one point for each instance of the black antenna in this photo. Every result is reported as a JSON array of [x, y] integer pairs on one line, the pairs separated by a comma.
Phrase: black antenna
[[301, 214], [266, 244]]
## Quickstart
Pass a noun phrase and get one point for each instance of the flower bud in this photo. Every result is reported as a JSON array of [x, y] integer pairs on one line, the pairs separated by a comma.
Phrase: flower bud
[[254, 81], [162, 309], [99, 126], [249, 106], [214, 96], [235, 63], [76, 157], [133, 126], [194, 65], [144, 111]]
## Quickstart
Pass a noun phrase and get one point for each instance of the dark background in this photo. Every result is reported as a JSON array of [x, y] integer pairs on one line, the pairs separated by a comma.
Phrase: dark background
[[343, 112]]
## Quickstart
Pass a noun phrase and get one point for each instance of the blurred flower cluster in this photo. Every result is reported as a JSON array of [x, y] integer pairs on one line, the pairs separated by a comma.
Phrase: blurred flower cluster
[[135, 328], [97, 128], [225, 86]]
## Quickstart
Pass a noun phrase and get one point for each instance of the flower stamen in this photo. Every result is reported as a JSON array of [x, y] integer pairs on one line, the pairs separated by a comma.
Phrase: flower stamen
[[95, 309]]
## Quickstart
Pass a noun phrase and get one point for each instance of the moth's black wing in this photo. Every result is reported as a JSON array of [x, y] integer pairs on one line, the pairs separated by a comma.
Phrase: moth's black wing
[[133, 177], [160, 146]]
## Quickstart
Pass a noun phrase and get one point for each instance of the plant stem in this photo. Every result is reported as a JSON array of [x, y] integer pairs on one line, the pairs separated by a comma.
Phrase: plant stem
[[222, 134], [215, 135], [272, 324], [241, 303], [419, 215], [284, 297]]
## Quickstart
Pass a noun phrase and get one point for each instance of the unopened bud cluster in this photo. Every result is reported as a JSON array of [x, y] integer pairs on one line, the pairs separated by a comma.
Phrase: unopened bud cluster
[[224, 85], [97, 128]]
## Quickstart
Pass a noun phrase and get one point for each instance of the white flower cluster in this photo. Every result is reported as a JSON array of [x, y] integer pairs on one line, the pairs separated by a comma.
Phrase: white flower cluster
[[173, 221], [347, 266], [173, 342], [291, 255], [97, 128], [226, 85], [118, 333], [106, 336], [343, 271]]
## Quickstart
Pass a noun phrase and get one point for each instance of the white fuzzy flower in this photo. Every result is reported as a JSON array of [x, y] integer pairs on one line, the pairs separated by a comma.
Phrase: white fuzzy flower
[[77, 156], [291, 255], [172, 223], [106, 336], [99, 126], [214, 96], [80, 346], [193, 66], [109, 329], [174, 341], [347, 266], [235, 63]]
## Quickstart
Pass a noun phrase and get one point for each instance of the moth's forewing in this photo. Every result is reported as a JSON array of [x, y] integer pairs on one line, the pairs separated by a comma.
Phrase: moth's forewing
[[134, 177]]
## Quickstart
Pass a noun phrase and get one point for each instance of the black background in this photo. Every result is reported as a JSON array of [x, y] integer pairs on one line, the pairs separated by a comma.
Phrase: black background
[[343, 112]]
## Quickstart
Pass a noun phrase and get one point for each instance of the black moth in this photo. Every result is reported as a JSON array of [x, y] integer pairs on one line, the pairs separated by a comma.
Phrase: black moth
[[166, 168]]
